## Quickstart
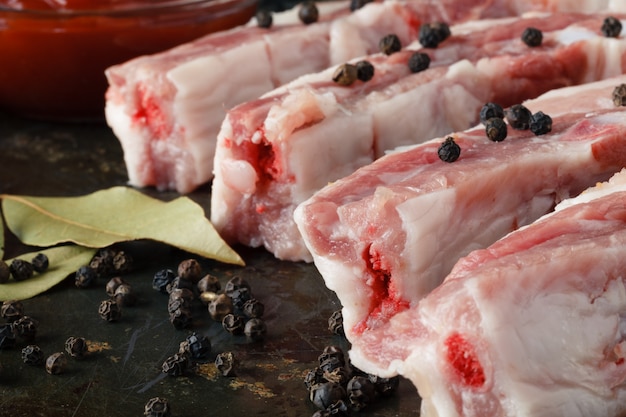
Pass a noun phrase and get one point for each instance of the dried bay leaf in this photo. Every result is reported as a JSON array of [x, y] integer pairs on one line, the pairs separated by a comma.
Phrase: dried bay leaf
[[115, 215], [64, 260]]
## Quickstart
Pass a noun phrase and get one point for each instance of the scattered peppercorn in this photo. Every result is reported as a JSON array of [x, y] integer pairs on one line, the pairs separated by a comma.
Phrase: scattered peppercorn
[[162, 279], [233, 324], [449, 150], [157, 407], [308, 12], [21, 269], [418, 62], [432, 34], [235, 283], [181, 318], [76, 347], [253, 308], [255, 329], [197, 347], [40, 262], [332, 352], [7, 336], [490, 110], [619, 95], [364, 70], [357, 4], [324, 394], [190, 270], [345, 74], [495, 129], [180, 298], [209, 283], [112, 285], [12, 310], [122, 263], [239, 297], [226, 363], [207, 296], [221, 306], [124, 295], [85, 277], [110, 311], [175, 365], [532, 37], [264, 19], [102, 262], [518, 117], [25, 327], [611, 27], [361, 392], [56, 363], [178, 283], [389, 44], [385, 386], [540, 123], [336, 409], [335, 323], [32, 355], [5, 272]]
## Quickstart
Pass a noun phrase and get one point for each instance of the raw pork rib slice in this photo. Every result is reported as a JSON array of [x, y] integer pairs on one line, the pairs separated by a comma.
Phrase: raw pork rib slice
[[387, 235], [166, 108], [532, 326], [275, 152]]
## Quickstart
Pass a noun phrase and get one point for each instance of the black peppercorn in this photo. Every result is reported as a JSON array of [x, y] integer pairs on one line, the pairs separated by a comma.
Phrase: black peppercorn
[[239, 297], [180, 297], [109, 310], [181, 318], [619, 95], [233, 324], [357, 4], [5, 272], [340, 375], [12, 310], [40, 262], [253, 308], [124, 295], [418, 61], [449, 150], [308, 12], [220, 306], [178, 283], [76, 347], [532, 37], [364, 70], [21, 269], [361, 392], [85, 277], [207, 296], [195, 346], [345, 74], [190, 270], [518, 117], [495, 129], [112, 285], [389, 44], [226, 362], [102, 262], [264, 19], [32, 355], [335, 323], [332, 351], [326, 393], [611, 27], [7, 336], [175, 365], [313, 377], [209, 283], [162, 279], [122, 263], [432, 34], [157, 407], [56, 363], [331, 363], [490, 110], [385, 386], [255, 329], [235, 283], [25, 327], [540, 123]]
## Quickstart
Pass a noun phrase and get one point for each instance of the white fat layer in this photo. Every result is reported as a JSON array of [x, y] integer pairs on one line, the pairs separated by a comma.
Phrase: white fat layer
[[573, 34], [616, 183]]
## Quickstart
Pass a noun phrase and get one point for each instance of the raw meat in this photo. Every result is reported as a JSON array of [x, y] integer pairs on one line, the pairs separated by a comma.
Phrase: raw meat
[[166, 108], [531, 326], [277, 151], [387, 235]]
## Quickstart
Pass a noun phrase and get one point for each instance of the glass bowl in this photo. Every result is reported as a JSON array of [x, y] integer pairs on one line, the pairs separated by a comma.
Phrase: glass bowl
[[54, 52]]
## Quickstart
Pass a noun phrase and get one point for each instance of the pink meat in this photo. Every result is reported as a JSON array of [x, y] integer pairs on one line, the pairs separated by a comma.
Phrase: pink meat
[[166, 108], [534, 325], [387, 235], [275, 152]]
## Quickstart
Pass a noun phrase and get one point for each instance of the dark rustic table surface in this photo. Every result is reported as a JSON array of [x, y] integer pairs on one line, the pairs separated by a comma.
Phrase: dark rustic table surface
[[123, 368]]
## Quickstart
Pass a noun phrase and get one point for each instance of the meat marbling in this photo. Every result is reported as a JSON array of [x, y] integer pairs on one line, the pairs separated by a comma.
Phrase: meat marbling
[[278, 150]]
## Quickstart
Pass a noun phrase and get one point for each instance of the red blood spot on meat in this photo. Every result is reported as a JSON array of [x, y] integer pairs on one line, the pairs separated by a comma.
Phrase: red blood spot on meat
[[150, 114], [385, 302], [264, 158], [260, 208], [461, 355]]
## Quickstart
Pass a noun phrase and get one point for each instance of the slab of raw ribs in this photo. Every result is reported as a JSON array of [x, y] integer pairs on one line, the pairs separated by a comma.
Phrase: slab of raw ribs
[[166, 108], [384, 237], [275, 152], [531, 326]]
